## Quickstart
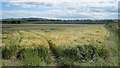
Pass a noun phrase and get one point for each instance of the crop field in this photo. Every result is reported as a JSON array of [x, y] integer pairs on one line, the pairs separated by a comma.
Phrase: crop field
[[58, 44]]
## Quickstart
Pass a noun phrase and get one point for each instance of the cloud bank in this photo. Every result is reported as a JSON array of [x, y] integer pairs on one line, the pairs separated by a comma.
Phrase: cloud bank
[[61, 9]]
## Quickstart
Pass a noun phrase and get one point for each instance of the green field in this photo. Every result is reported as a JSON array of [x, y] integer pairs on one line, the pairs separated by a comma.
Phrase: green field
[[58, 44]]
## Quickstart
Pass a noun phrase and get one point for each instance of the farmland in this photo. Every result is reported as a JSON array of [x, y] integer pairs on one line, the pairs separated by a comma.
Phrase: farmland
[[58, 44]]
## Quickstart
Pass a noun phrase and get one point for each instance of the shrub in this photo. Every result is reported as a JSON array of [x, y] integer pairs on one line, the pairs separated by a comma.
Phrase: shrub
[[114, 26]]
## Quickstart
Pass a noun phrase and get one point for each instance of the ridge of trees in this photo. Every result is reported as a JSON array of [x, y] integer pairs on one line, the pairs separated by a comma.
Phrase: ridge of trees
[[53, 21]]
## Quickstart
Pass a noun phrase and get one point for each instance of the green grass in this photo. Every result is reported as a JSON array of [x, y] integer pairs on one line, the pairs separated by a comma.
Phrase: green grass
[[34, 57], [82, 53]]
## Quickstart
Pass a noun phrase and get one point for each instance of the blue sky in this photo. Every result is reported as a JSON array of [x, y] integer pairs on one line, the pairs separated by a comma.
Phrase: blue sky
[[60, 9]]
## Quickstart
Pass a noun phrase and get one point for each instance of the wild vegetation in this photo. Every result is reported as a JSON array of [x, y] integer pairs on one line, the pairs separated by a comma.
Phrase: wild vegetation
[[56, 45], [114, 26]]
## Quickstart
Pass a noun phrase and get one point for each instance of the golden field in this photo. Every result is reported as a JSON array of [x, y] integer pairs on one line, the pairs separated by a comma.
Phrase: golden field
[[57, 44]]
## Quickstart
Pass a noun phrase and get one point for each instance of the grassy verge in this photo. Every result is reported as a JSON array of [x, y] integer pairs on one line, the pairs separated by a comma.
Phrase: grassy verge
[[114, 42]]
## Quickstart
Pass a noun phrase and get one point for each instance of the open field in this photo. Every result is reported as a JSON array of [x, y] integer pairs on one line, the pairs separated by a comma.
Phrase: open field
[[58, 44]]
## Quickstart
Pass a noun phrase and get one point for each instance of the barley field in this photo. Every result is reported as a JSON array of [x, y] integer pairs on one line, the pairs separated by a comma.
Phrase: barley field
[[58, 44]]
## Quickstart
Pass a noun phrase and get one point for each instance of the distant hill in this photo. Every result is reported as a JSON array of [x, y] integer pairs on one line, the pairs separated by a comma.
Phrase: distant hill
[[21, 19]]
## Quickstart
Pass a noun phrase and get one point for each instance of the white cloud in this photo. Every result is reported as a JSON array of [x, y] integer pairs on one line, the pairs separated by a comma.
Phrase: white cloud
[[62, 0], [81, 6], [57, 14], [65, 8]]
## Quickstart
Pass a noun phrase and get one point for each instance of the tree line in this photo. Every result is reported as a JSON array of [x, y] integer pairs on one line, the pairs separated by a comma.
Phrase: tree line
[[53, 21]]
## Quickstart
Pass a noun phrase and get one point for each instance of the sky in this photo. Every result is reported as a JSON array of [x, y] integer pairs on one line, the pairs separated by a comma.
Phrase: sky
[[60, 9]]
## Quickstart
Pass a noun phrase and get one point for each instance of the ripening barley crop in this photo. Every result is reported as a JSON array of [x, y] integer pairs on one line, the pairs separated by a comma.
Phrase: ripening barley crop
[[77, 44]]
